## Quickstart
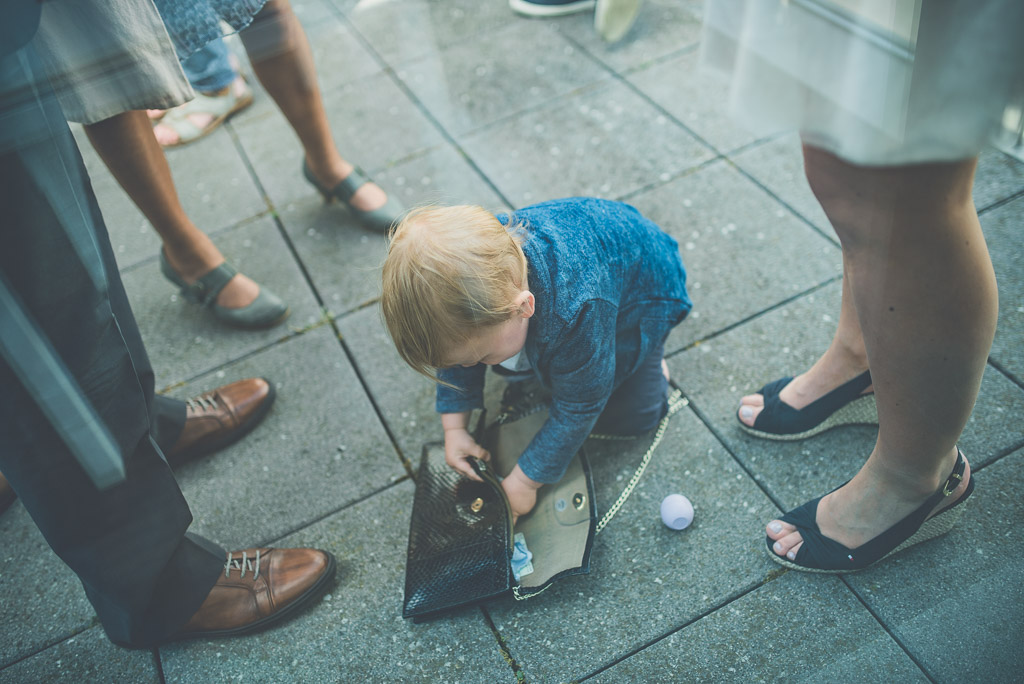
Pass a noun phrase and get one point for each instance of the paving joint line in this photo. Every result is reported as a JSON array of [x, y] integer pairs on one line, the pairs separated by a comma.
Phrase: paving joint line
[[1019, 382], [323, 516], [754, 316], [616, 76], [295, 333], [732, 598], [50, 644], [694, 406], [834, 240], [503, 647], [1002, 202], [405, 462], [158, 663], [892, 635]]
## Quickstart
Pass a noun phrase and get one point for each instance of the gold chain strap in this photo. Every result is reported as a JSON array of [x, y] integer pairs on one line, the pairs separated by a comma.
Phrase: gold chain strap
[[676, 401]]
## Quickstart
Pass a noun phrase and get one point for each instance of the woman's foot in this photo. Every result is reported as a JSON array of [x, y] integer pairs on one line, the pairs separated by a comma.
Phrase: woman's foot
[[193, 263], [830, 371], [369, 197], [872, 502], [202, 115]]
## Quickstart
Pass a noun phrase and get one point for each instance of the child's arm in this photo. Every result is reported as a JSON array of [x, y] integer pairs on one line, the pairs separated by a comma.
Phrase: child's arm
[[459, 445]]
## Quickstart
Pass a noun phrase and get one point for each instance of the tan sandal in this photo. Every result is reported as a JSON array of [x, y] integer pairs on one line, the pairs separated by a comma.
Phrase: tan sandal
[[218, 107]]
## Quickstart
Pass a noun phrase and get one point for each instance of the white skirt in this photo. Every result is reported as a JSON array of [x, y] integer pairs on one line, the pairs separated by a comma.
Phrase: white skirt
[[876, 82]]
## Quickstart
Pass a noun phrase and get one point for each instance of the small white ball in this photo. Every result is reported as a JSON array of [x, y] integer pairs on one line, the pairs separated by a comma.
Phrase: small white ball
[[676, 511]]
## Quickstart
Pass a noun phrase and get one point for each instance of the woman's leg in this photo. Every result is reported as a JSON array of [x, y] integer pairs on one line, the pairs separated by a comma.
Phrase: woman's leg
[[924, 292], [281, 57], [135, 158]]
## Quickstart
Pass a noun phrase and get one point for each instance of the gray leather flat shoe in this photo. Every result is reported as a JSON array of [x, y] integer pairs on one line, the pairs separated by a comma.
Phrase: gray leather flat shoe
[[380, 220], [265, 311]]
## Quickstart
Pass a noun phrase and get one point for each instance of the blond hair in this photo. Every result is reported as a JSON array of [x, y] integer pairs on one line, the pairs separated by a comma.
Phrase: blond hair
[[450, 272]]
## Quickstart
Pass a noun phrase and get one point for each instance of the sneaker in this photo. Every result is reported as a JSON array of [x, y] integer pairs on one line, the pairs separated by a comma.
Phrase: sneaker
[[550, 8]]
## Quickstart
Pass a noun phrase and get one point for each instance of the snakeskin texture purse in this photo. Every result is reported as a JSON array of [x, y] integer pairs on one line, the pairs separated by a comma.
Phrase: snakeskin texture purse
[[461, 537]]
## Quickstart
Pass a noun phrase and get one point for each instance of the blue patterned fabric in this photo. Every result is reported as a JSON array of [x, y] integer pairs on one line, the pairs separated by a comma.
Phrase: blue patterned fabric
[[194, 23], [609, 286]]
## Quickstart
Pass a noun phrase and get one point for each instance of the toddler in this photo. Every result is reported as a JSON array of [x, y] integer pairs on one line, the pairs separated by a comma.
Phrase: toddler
[[580, 292]]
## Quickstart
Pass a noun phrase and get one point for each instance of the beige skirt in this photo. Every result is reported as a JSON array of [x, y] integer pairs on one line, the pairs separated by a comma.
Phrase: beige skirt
[[105, 57], [876, 82]]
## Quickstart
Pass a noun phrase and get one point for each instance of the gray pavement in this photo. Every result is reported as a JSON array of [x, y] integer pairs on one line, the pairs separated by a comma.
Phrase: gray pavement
[[461, 101]]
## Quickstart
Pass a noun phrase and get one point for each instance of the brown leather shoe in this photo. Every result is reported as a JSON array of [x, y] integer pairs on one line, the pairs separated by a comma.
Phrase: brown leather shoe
[[220, 417], [7, 495], [258, 588]]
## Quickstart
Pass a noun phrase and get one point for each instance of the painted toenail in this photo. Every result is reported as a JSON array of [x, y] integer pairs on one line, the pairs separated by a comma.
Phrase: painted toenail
[[746, 412], [791, 555], [775, 526], [777, 546]]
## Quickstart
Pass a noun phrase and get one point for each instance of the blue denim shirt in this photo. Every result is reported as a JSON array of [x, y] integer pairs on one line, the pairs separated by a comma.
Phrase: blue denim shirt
[[609, 286]]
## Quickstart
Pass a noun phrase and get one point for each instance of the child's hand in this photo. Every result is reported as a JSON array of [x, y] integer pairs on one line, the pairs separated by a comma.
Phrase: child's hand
[[459, 445], [521, 492]]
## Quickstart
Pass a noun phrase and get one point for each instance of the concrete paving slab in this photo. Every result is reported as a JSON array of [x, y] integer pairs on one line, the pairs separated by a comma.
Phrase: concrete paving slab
[[1002, 232], [957, 603], [315, 13], [371, 131], [743, 253], [355, 632], [183, 339], [338, 53], [342, 258], [440, 176], [998, 176], [786, 341], [405, 398], [480, 80], [696, 97], [215, 186], [779, 166], [606, 141], [797, 628], [41, 600], [645, 580], [85, 657], [403, 30], [662, 28], [320, 448]]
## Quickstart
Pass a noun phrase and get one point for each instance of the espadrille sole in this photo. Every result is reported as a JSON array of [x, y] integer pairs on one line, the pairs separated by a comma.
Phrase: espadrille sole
[[860, 411]]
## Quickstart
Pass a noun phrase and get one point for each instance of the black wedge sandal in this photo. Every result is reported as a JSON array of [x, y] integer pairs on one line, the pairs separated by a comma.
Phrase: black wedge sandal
[[818, 553], [845, 405]]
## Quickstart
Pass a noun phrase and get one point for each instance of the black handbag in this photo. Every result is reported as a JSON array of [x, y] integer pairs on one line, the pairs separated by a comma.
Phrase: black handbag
[[461, 537]]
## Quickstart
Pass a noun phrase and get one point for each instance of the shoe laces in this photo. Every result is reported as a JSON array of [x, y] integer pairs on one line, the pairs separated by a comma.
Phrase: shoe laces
[[243, 564], [204, 402]]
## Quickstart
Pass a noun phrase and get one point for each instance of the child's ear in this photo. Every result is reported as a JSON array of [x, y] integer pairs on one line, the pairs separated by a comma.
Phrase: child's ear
[[526, 303]]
